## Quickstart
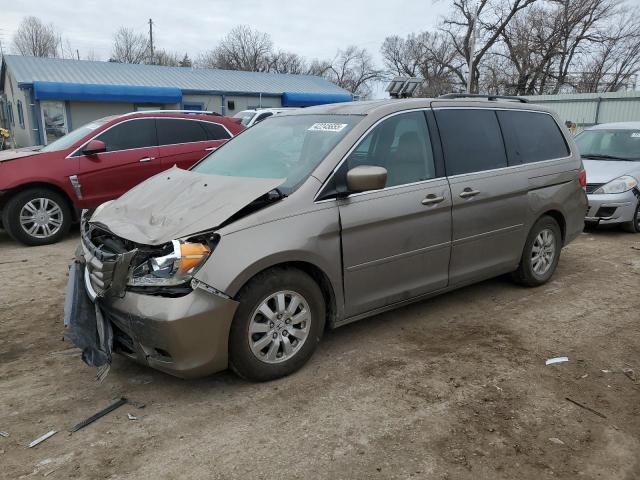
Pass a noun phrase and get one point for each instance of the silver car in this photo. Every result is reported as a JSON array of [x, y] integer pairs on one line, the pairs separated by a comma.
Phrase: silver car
[[611, 156], [318, 218]]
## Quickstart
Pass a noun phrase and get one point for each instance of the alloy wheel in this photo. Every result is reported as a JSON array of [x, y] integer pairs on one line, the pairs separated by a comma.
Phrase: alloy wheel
[[543, 252], [279, 327], [41, 217]]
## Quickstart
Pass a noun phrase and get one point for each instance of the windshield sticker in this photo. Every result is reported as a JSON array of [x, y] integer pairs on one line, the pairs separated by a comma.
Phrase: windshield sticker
[[635, 135], [327, 127]]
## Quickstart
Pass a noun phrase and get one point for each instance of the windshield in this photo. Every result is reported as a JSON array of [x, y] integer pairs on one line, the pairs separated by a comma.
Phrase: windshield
[[615, 144], [71, 138], [288, 147], [245, 116]]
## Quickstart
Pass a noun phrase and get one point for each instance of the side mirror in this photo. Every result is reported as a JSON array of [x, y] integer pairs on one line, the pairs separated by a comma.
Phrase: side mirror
[[94, 147], [366, 177]]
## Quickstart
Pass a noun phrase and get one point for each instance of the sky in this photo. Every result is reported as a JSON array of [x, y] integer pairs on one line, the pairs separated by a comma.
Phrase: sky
[[311, 28]]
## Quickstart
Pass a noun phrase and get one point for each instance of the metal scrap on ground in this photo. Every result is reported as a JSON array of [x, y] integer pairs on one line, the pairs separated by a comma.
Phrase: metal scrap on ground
[[98, 415], [42, 438], [552, 361]]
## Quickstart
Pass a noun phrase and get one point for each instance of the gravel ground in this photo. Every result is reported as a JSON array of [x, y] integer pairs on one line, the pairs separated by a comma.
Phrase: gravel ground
[[451, 388]]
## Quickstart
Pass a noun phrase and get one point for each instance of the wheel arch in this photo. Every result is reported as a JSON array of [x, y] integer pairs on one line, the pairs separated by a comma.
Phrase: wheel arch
[[46, 185], [558, 216], [317, 274]]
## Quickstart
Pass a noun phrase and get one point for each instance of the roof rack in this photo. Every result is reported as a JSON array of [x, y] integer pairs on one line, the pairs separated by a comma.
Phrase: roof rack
[[199, 112], [488, 97]]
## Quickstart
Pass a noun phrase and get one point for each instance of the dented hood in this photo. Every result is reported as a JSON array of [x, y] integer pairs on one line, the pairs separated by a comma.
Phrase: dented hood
[[176, 203]]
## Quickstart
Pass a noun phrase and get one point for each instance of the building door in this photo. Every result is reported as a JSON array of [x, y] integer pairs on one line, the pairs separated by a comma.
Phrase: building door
[[54, 120]]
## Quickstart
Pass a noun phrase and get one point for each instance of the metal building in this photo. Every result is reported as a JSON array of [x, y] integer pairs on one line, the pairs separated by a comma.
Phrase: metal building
[[45, 98], [586, 109]]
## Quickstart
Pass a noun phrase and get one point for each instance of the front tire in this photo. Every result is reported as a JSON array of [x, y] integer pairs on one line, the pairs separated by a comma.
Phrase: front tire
[[37, 216], [277, 326], [634, 225], [541, 253]]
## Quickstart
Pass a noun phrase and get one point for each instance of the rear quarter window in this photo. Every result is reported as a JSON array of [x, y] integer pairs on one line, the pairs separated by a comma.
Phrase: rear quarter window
[[531, 137], [215, 131], [471, 140]]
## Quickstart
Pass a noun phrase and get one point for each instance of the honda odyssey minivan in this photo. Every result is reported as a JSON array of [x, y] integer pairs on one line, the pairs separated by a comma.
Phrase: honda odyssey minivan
[[317, 218]]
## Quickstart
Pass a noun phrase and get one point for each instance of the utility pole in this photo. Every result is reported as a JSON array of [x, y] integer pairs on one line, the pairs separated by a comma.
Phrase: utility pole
[[472, 47], [78, 53], [151, 39]]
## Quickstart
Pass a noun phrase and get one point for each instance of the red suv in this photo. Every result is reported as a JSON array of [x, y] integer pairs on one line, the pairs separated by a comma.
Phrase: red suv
[[41, 191]]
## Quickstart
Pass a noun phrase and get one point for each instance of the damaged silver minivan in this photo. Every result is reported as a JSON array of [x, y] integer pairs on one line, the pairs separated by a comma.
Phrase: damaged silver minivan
[[316, 218]]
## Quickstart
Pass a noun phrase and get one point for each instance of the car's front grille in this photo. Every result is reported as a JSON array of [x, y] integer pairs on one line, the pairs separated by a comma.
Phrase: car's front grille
[[106, 267], [592, 187]]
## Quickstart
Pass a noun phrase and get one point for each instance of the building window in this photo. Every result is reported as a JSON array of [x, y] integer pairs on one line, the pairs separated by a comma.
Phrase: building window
[[193, 106], [20, 113], [10, 113]]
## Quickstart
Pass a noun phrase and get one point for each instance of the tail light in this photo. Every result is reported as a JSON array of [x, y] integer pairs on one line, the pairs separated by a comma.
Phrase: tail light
[[582, 177]]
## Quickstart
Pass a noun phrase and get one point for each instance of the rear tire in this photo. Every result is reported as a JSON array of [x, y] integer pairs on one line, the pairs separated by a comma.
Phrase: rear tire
[[277, 325], [37, 216], [541, 253], [634, 225]]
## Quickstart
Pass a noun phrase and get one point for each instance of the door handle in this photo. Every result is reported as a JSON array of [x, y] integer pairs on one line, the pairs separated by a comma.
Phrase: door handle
[[432, 199], [147, 159], [468, 193], [210, 149]]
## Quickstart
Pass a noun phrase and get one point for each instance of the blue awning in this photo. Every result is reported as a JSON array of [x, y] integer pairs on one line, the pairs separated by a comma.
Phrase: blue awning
[[105, 93], [293, 99]]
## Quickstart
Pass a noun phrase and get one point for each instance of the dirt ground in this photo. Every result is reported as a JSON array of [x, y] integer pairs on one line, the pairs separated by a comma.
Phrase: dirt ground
[[451, 388]]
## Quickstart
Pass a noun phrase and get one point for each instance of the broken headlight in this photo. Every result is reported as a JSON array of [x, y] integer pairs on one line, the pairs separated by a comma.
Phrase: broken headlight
[[175, 268]]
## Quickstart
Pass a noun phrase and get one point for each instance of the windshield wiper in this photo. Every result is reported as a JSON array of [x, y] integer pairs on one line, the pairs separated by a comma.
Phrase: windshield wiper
[[597, 156]]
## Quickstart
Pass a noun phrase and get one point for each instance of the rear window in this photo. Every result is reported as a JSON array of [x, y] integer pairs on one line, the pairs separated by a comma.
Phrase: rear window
[[172, 131], [471, 140], [531, 137], [215, 131]]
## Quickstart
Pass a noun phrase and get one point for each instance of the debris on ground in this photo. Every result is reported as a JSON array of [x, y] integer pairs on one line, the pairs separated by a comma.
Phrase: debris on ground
[[555, 440], [42, 438], [595, 412], [553, 361], [131, 417], [98, 415], [4, 434], [629, 373]]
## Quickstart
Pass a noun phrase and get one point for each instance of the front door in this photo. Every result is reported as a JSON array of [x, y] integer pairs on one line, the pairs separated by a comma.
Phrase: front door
[[489, 199], [396, 241], [131, 158]]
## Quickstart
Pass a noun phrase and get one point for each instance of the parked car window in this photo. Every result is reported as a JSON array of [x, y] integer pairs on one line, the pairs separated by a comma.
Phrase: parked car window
[[245, 116], [531, 137], [132, 134], [614, 144], [400, 144], [172, 131], [262, 116], [215, 131], [286, 147], [471, 140]]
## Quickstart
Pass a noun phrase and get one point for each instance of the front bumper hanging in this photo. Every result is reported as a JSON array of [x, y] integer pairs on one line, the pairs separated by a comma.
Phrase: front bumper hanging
[[85, 326]]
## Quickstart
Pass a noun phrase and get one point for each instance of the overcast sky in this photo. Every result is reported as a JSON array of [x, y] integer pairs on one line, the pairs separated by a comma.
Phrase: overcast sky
[[315, 29]]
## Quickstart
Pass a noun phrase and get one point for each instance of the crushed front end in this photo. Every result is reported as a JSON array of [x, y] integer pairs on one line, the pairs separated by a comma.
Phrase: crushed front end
[[142, 301]]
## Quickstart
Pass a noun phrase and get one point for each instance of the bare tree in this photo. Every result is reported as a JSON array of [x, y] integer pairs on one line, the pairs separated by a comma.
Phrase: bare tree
[[286, 62], [241, 49], [488, 18], [36, 39], [353, 69], [166, 59], [129, 46]]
